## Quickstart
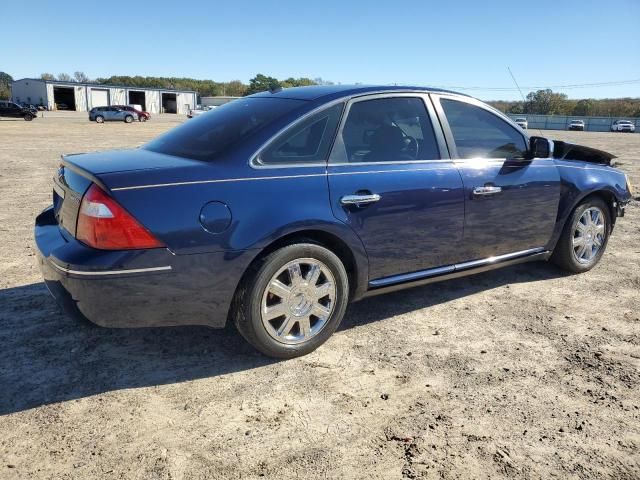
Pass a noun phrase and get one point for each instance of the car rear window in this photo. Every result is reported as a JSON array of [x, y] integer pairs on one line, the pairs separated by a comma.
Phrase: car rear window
[[207, 136]]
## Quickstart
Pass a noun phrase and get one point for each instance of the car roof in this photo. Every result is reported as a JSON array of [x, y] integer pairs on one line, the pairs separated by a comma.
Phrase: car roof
[[317, 92]]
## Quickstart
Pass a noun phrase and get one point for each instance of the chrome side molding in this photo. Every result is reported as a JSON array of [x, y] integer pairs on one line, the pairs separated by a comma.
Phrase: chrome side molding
[[431, 275], [110, 272]]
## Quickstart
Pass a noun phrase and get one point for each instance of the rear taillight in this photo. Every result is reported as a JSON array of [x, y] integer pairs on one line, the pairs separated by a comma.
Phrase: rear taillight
[[104, 224]]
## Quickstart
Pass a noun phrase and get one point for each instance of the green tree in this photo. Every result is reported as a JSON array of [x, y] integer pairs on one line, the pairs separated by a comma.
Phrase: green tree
[[5, 86], [583, 108], [261, 83], [546, 102], [235, 88]]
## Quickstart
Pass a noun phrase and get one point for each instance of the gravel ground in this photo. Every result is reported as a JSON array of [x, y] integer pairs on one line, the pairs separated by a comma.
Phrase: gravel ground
[[524, 372]]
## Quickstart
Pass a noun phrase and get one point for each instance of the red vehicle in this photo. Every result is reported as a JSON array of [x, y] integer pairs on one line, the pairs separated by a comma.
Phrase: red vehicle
[[142, 115]]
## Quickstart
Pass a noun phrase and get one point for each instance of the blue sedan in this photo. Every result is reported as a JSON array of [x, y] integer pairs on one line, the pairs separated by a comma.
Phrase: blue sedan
[[275, 210]]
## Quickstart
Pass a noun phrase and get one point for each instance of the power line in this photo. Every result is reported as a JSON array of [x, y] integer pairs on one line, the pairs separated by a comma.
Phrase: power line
[[541, 87]]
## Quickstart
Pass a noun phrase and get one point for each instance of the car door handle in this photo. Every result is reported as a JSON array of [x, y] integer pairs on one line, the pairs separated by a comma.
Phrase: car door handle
[[359, 200], [486, 190]]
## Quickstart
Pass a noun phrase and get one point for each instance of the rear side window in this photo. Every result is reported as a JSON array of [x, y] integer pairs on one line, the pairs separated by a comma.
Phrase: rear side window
[[479, 133], [207, 136], [386, 130], [307, 142]]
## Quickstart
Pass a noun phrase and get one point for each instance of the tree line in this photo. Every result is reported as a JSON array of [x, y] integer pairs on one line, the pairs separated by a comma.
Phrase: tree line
[[547, 102], [204, 88], [542, 102]]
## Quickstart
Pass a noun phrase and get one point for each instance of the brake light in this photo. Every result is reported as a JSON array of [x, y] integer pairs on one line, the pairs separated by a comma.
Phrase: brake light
[[104, 224]]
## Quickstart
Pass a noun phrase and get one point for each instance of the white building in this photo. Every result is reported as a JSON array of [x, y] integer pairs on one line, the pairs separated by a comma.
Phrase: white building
[[82, 97], [215, 101]]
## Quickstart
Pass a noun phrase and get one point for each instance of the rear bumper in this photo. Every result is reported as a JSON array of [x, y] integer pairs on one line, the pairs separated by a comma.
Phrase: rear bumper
[[136, 288]]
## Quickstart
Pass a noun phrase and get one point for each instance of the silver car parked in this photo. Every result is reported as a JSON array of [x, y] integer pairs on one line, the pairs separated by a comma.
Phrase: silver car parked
[[105, 114]]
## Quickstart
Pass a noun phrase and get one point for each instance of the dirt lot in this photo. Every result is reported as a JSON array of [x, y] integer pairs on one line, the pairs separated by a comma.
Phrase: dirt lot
[[520, 373]]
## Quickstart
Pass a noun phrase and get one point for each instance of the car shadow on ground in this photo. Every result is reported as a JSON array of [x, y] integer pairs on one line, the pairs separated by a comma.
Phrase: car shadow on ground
[[49, 357]]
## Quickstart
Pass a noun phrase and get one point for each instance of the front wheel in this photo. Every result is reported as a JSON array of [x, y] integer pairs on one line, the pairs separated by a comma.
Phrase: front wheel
[[28, 117], [584, 237], [99, 119], [128, 119], [292, 300], [142, 118]]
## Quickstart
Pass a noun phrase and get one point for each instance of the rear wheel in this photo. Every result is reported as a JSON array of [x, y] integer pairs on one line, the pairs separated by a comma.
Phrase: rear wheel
[[99, 119], [584, 237], [292, 300], [128, 119]]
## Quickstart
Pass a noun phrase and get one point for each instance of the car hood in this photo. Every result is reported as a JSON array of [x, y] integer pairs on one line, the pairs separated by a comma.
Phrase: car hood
[[580, 153]]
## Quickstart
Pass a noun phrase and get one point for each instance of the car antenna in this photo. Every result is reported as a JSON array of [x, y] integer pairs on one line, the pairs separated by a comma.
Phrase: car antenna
[[524, 101]]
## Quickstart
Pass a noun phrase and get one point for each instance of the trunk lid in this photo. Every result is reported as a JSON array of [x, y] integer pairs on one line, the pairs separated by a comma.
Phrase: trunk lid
[[78, 171], [113, 161], [69, 186]]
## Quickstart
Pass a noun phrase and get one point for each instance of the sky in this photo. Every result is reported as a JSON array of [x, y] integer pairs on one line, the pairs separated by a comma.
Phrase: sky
[[464, 45]]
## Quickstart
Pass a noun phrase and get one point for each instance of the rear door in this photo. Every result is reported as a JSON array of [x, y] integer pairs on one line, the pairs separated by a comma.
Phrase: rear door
[[511, 204], [391, 180], [112, 113]]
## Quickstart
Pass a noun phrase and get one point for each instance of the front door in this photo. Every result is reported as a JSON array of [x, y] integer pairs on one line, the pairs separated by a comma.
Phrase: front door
[[511, 203], [391, 180]]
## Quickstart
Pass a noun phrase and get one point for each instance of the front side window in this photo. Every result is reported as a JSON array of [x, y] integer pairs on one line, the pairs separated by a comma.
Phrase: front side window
[[479, 133], [386, 130], [307, 142], [208, 136]]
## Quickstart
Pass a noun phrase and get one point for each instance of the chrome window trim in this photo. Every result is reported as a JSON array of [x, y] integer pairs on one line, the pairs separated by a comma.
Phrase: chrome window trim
[[391, 162], [254, 160], [347, 99], [444, 121], [110, 272]]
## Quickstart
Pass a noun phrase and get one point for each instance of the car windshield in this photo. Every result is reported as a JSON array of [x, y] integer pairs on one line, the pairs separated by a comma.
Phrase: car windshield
[[521, 119], [206, 137]]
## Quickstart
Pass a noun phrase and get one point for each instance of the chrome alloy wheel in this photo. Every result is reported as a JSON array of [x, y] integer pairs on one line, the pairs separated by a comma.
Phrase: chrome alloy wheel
[[298, 301], [589, 235]]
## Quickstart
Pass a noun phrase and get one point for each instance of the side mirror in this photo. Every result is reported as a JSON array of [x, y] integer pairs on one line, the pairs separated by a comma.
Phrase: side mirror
[[539, 147]]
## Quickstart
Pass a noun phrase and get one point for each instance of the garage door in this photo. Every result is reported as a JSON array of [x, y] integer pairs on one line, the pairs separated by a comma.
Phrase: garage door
[[99, 97]]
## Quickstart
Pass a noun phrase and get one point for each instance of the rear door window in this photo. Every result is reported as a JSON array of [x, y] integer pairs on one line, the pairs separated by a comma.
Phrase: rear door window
[[393, 129], [479, 133], [307, 142]]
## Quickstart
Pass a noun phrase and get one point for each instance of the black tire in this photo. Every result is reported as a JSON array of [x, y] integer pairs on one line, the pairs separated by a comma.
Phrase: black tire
[[564, 254], [142, 118], [128, 119], [99, 119], [248, 299], [28, 117]]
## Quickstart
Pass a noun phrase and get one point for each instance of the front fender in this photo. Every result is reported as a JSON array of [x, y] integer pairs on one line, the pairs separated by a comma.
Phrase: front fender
[[581, 179]]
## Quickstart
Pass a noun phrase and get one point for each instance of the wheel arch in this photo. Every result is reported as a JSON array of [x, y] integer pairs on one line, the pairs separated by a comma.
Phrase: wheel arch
[[607, 195], [353, 259]]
